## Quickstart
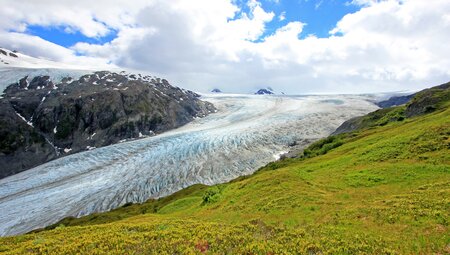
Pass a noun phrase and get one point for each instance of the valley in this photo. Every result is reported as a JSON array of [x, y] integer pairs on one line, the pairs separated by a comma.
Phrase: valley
[[382, 188], [246, 132]]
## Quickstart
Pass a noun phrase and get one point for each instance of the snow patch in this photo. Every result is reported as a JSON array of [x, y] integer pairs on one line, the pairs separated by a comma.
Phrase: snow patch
[[29, 123]]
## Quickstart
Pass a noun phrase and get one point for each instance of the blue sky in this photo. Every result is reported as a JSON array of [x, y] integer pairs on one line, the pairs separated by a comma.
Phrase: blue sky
[[320, 17], [67, 37], [382, 45]]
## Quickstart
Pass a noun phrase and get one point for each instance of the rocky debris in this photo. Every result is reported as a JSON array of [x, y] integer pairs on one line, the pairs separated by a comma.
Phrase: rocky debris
[[216, 91], [264, 92], [40, 120], [296, 148]]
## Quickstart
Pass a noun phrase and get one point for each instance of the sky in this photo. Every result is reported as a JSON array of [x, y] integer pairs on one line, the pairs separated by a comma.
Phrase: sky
[[239, 46]]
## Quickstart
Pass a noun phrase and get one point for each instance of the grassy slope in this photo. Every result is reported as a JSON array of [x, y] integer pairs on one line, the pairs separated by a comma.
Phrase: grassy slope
[[385, 189]]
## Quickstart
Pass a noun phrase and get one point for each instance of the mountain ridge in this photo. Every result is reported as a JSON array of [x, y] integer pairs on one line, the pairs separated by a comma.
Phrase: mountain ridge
[[425, 101]]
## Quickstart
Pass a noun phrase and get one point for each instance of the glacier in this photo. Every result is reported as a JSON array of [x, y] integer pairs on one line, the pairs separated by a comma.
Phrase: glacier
[[245, 133]]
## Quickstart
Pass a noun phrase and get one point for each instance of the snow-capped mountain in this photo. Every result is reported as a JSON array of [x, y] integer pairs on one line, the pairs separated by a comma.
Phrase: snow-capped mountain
[[16, 59], [264, 92], [49, 113], [15, 65]]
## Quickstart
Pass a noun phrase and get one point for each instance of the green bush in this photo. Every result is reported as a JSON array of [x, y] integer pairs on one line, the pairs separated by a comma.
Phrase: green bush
[[211, 195], [323, 146]]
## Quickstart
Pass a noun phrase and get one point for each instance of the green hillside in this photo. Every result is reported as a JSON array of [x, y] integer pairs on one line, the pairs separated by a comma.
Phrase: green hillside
[[382, 189]]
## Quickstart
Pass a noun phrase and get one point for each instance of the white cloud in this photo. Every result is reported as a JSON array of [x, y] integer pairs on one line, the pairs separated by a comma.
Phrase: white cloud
[[362, 2], [50, 51], [318, 4], [92, 18], [201, 44], [282, 16]]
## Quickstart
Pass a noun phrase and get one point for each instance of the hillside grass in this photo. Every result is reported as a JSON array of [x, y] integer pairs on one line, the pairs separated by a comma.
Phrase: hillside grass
[[381, 190]]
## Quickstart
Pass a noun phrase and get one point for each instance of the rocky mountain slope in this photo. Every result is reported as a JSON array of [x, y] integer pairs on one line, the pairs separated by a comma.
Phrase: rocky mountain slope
[[41, 120], [395, 101], [361, 192], [425, 101]]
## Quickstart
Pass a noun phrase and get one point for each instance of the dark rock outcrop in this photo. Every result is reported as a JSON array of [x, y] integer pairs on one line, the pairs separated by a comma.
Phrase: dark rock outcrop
[[216, 91], [40, 120], [21, 146]]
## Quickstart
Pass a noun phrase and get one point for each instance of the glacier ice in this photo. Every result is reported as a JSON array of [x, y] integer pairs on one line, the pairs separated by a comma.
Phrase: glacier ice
[[244, 134]]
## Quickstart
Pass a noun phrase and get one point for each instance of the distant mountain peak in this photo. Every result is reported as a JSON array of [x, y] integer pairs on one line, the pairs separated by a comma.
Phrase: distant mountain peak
[[267, 91], [216, 91]]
